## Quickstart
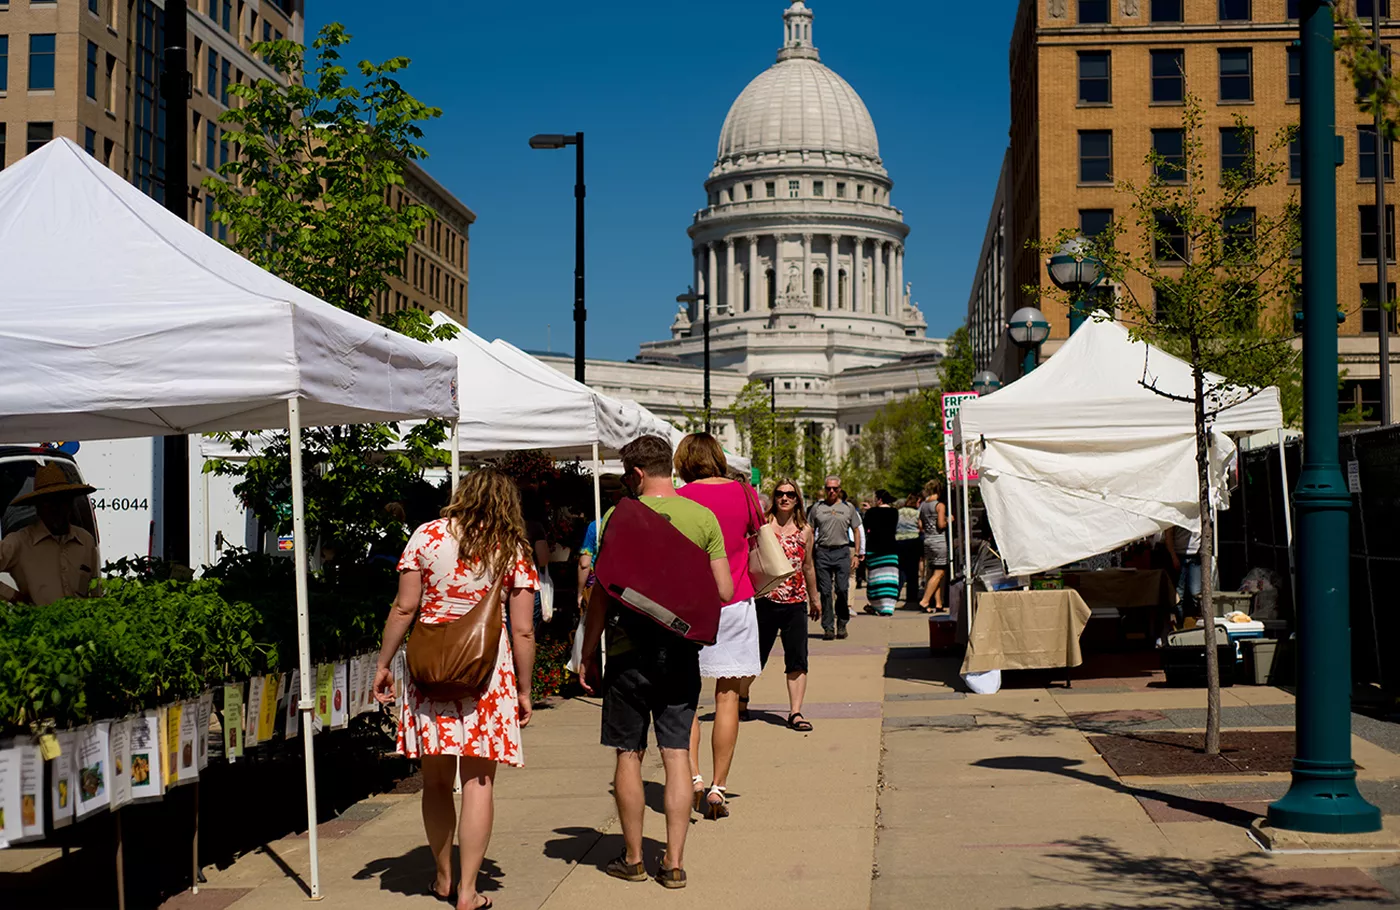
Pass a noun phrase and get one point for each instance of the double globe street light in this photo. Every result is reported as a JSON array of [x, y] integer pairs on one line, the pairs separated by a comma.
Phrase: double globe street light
[[1028, 330], [1074, 270]]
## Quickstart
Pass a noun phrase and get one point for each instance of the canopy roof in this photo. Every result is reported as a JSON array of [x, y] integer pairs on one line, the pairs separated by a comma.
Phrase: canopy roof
[[118, 319], [1081, 456]]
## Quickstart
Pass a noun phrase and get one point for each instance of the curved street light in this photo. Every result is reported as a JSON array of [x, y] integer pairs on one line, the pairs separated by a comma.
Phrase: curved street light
[[1075, 270], [558, 141], [1028, 330]]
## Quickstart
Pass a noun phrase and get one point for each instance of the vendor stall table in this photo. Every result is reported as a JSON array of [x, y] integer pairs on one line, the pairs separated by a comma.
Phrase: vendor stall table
[[1127, 589], [1026, 630]]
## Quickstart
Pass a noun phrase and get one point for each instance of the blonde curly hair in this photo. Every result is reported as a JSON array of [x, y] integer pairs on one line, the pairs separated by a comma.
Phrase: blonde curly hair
[[486, 520]]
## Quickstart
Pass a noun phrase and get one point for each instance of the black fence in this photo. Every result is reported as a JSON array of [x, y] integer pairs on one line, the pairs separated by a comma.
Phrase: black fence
[[1253, 534]]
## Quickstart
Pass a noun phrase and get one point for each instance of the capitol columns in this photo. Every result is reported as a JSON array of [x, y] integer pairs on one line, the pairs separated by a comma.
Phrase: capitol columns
[[755, 294], [712, 284], [833, 275], [730, 261], [880, 301], [857, 272], [807, 284], [777, 270], [899, 279]]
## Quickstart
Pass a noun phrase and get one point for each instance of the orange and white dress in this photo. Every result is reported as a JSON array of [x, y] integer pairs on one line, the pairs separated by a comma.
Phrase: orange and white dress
[[488, 727]]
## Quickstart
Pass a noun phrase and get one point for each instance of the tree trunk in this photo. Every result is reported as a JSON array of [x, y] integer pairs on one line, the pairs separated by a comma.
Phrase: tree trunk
[[1206, 556]]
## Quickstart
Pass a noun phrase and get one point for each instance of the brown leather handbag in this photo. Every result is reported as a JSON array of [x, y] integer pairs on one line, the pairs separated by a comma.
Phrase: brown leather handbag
[[454, 661]]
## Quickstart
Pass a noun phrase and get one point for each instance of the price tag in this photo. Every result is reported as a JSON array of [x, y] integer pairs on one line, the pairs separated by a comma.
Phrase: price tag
[[48, 747], [1354, 476]]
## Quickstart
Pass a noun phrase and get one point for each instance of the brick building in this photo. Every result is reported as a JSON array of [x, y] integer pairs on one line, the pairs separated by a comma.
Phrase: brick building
[[1096, 84]]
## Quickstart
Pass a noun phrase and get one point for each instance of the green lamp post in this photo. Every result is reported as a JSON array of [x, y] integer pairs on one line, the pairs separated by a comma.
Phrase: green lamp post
[[1074, 270], [1323, 796], [1028, 330]]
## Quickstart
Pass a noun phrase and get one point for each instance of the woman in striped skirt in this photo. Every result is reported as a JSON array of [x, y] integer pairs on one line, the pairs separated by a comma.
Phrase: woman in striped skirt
[[882, 555]]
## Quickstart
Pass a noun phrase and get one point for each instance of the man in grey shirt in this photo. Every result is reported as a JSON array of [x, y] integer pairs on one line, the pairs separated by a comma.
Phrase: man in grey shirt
[[837, 526]]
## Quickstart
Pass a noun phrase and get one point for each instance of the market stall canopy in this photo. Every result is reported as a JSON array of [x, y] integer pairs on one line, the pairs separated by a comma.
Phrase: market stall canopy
[[1082, 456], [117, 319]]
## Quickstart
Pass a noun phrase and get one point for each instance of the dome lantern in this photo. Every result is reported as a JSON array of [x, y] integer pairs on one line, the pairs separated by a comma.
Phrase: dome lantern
[[797, 33]]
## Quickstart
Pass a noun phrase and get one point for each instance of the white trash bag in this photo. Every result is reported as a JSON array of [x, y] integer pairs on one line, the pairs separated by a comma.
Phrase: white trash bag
[[988, 682]]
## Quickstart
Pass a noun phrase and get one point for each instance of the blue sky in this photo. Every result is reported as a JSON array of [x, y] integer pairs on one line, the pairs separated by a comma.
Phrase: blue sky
[[650, 84]]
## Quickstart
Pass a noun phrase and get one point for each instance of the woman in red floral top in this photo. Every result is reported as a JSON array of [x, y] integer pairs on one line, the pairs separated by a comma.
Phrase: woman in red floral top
[[448, 566], [785, 609]]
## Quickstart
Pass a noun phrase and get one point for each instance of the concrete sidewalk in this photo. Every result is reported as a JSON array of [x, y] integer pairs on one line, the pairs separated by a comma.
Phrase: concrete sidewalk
[[908, 793]]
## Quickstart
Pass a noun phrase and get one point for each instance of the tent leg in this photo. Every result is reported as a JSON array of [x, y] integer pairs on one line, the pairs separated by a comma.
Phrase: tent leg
[[304, 640], [208, 557], [968, 597], [1287, 521], [456, 459], [597, 489]]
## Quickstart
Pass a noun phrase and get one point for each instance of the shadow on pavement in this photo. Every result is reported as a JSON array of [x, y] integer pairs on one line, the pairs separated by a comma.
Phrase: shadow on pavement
[[1124, 879], [589, 846], [412, 873]]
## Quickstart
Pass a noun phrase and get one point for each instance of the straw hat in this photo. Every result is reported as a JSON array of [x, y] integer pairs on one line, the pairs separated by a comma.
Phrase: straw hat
[[49, 480]]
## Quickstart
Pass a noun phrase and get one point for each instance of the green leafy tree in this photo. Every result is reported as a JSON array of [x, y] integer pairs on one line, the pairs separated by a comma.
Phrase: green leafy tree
[[307, 196], [900, 448], [1209, 257], [768, 435]]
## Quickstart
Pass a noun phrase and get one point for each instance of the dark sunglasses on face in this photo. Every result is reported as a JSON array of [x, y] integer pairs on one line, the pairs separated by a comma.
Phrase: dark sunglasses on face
[[833, 489], [786, 494]]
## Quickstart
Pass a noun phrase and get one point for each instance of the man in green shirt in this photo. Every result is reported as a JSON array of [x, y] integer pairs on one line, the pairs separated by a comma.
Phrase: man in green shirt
[[653, 675]]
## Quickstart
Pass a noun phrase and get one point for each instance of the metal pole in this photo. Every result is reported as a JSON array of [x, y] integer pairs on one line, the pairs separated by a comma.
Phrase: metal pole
[[1383, 301], [969, 596], [1029, 360], [307, 704], [1323, 795], [1076, 308], [597, 489], [456, 458], [175, 89], [121, 863], [1287, 522], [705, 302], [195, 876], [580, 312]]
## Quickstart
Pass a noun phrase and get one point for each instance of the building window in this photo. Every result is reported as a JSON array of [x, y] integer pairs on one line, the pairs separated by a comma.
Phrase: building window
[[729, 192], [860, 191], [209, 215], [1168, 76], [227, 10], [1169, 155], [1366, 154], [1169, 237], [1234, 10], [1293, 7], [1093, 222], [1237, 232], [1295, 159], [793, 188], [1295, 73], [840, 190], [748, 191], [1166, 10], [211, 73], [1371, 313], [1368, 232], [223, 149], [1237, 152], [40, 63], [111, 91], [92, 71], [4, 63], [818, 288], [2, 146], [37, 135], [771, 189], [770, 288], [1093, 12], [147, 142], [211, 145], [90, 141], [1094, 77], [224, 73], [818, 188], [1095, 156], [92, 7], [1236, 74], [1366, 8]]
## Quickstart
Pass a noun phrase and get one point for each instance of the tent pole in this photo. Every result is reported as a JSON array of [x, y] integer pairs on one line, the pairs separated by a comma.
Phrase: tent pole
[[208, 557], [597, 490], [1287, 520], [968, 595], [456, 459], [304, 639]]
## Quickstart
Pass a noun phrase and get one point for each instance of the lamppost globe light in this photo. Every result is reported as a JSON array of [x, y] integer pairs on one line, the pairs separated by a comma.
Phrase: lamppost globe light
[[1073, 266], [1028, 327], [985, 382]]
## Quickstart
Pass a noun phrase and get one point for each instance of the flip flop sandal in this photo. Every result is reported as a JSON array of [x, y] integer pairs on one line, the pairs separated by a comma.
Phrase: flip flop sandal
[[670, 878], [448, 898], [628, 872], [799, 723], [744, 714], [716, 811]]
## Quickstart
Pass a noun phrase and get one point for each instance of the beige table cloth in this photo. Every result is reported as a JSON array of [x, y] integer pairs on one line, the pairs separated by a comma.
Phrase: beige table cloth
[[1026, 630]]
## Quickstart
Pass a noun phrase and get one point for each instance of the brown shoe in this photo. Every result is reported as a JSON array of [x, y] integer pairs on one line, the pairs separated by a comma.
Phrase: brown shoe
[[628, 872], [828, 635], [841, 631], [670, 878]]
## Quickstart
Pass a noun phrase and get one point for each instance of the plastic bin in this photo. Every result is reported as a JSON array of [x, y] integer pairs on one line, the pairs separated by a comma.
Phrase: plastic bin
[[942, 633], [1259, 654], [1185, 665]]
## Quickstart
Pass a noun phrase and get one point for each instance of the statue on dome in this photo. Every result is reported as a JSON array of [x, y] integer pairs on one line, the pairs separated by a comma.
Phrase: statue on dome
[[794, 282]]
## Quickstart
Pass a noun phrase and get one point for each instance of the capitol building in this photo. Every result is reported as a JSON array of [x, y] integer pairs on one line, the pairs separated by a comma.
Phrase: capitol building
[[799, 254]]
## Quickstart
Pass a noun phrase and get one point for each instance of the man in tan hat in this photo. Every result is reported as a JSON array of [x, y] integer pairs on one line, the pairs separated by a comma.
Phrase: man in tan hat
[[51, 558]]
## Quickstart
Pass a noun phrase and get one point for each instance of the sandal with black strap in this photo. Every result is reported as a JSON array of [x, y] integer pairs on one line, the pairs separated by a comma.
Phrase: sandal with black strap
[[449, 898], [716, 810], [670, 878], [628, 872], [744, 714], [799, 723]]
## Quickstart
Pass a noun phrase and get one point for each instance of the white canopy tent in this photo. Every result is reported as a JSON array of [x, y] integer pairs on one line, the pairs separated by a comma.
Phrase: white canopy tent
[[118, 319], [1082, 455]]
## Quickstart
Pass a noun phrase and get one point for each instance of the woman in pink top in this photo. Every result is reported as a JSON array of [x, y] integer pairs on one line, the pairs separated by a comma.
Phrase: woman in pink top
[[733, 659]]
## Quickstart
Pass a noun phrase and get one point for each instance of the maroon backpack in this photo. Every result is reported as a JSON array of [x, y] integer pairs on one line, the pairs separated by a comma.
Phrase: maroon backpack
[[646, 564]]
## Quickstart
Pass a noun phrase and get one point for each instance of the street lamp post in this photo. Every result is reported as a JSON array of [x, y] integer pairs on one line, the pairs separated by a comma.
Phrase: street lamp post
[[558, 141], [1074, 270], [1028, 331], [690, 297], [1323, 795], [986, 382]]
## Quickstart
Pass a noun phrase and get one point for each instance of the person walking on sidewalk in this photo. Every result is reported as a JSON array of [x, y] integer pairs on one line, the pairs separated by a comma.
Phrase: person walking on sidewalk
[[839, 545], [448, 566], [784, 610], [653, 675], [733, 658], [933, 525], [906, 541], [881, 555]]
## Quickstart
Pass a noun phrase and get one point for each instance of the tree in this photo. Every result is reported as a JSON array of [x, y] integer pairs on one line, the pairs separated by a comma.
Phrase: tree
[[899, 449], [1197, 261], [767, 435], [307, 196]]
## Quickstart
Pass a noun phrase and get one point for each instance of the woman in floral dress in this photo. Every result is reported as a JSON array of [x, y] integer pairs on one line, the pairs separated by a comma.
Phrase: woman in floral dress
[[448, 566]]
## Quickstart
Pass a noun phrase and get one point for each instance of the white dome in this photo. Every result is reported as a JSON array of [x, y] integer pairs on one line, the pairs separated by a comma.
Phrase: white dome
[[798, 105]]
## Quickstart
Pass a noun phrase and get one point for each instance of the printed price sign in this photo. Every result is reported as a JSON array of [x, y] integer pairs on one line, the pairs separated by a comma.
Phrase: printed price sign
[[953, 460]]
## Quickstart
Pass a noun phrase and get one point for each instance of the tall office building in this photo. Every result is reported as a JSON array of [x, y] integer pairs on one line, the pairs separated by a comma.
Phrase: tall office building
[[1096, 84]]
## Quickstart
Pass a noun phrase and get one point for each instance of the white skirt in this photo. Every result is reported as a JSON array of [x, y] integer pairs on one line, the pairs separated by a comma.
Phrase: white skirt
[[735, 651]]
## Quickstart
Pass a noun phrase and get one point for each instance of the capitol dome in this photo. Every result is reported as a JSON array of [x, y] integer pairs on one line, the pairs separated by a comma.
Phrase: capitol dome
[[798, 106]]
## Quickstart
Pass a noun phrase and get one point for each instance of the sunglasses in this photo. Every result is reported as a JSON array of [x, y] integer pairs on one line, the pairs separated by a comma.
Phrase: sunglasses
[[836, 489], [785, 494]]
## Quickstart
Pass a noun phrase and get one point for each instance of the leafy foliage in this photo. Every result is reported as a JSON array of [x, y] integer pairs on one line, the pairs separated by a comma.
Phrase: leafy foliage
[[769, 436], [900, 448], [309, 196]]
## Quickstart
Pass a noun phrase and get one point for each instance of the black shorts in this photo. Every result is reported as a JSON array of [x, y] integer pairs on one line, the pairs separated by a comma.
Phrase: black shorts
[[788, 620], [648, 686]]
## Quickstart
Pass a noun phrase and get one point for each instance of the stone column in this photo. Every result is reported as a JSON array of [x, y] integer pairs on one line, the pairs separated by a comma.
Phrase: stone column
[[832, 272], [879, 300], [729, 263], [899, 280], [712, 285], [777, 269], [754, 276], [699, 284], [857, 272], [807, 284]]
